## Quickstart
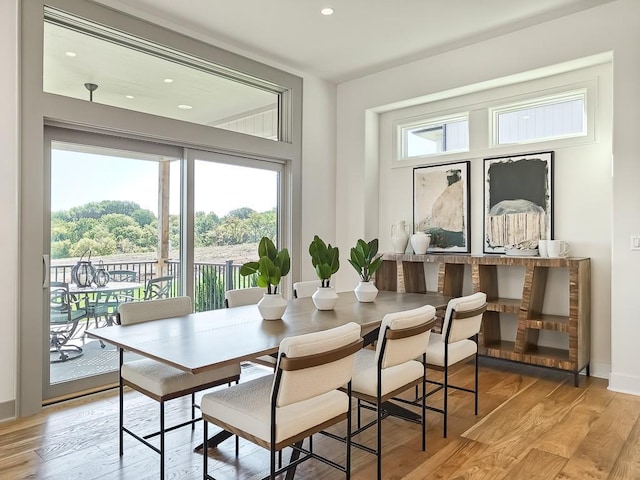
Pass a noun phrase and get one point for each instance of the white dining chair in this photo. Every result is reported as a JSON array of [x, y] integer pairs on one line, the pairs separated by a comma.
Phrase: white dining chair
[[160, 381], [301, 398], [381, 374], [239, 297], [306, 288], [457, 342]]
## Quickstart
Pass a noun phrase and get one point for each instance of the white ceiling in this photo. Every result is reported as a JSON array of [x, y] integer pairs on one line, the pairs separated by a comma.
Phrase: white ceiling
[[363, 36]]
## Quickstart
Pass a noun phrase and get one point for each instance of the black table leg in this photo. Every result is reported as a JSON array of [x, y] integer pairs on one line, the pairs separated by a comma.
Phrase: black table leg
[[294, 456], [216, 440]]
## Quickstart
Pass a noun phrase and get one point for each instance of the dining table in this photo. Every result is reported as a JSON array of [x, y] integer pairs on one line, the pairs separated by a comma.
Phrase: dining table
[[206, 340]]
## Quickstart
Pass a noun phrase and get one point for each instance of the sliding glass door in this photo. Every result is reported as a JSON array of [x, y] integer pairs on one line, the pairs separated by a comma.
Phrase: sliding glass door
[[115, 225], [124, 214], [236, 202]]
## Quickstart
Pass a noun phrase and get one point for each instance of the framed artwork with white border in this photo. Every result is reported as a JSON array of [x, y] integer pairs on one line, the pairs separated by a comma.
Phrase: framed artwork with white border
[[518, 201], [441, 206]]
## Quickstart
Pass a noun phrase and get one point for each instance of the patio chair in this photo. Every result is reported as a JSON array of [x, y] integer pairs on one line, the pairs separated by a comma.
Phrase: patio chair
[[303, 397], [160, 381], [64, 316], [159, 287], [106, 304]]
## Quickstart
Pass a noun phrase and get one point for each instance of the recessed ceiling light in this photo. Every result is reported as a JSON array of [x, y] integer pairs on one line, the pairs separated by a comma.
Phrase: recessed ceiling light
[[70, 54], [168, 80], [185, 107], [130, 96], [327, 11]]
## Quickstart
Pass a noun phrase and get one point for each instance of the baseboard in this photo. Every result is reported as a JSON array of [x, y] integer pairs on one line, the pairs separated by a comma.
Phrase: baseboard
[[600, 370], [7, 410], [624, 383]]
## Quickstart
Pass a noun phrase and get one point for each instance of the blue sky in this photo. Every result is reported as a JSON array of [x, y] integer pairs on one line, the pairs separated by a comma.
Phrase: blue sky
[[78, 178]]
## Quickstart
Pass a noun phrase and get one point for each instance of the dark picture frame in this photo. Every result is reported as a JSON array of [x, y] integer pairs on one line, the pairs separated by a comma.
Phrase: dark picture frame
[[441, 195], [518, 201]]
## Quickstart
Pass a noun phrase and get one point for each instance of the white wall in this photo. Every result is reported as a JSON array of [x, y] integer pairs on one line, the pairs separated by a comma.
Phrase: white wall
[[614, 27], [8, 201], [581, 166]]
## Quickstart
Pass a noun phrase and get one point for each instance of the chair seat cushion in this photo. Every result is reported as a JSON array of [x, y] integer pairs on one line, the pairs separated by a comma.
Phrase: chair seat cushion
[[365, 374], [162, 379], [457, 351], [247, 407]]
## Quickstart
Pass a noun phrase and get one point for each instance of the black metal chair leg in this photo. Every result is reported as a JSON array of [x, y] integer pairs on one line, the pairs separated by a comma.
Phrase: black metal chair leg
[[446, 396], [162, 440], [193, 411], [121, 388]]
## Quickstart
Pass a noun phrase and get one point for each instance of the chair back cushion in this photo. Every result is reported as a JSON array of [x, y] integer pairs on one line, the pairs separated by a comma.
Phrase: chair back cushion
[[402, 350], [463, 328], [244, 296], [298, 385], [305, 289], [138, 312]]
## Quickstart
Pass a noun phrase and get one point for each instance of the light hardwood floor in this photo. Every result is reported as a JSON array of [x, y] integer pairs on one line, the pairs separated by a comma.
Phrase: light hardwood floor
[[533, 424]]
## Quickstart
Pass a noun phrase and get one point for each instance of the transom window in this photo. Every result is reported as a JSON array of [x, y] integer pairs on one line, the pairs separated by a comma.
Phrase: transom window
[[433, 136], [540, 119]]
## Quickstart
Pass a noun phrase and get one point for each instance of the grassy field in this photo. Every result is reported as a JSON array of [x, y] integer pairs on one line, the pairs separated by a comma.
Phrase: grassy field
[[218, 254]]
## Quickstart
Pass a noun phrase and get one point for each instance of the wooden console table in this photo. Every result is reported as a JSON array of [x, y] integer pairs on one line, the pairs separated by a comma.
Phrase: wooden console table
[[406, 273]]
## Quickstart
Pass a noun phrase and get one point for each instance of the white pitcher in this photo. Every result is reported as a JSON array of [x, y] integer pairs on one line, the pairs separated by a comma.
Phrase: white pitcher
[[399, 237]]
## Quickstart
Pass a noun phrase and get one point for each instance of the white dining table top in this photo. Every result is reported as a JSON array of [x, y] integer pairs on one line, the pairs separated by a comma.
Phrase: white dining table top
[[205, 340]]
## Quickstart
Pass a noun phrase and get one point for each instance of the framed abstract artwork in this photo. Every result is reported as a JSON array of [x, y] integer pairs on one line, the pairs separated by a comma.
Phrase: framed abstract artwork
[[518, 201], [441, 206]]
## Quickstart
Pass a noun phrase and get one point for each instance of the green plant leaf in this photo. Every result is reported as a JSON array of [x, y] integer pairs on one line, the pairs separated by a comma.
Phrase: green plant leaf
[[249, 268]]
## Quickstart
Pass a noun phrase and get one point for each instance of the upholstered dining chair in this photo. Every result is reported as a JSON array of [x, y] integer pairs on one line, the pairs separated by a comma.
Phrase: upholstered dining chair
[[65, 314], [457, 342], [159, 381], [306, 288], [239, 297], [381, 374], [301, 398]]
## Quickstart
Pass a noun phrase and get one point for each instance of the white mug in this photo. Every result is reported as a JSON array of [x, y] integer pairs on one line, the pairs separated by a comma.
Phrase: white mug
[[542, 248], [557, 248]]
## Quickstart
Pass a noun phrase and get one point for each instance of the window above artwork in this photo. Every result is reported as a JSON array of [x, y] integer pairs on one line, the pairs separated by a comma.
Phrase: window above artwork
[[540, 119], [432, 136]]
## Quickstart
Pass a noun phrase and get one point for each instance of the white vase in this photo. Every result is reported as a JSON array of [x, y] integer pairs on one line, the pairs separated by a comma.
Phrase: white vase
[[366, 292], [272, 306], [399, 237], [420, 242], [325, 298]]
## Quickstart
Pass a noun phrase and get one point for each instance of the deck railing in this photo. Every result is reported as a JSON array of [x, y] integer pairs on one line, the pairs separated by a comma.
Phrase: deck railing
[[211, 280]]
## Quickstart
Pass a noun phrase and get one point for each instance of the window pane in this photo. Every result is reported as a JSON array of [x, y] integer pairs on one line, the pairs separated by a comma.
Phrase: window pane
[[434, 138], [560, 118], [121, 211], [128, 76], [229, 222]]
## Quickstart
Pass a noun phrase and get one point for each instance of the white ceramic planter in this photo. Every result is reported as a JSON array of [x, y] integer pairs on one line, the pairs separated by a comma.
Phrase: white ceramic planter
[[325, 298], [420, 242], [366, 292], [272, 306]]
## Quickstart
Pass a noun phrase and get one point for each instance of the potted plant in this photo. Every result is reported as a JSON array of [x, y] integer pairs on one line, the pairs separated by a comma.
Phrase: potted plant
[[325, 260], [364, 258], [270, 268]]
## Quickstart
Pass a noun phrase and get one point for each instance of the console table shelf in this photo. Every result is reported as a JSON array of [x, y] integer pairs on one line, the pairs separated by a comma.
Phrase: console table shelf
[[406, 273]]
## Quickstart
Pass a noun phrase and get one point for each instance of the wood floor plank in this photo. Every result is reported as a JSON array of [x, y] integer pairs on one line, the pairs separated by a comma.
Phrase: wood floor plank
[[537, 465], [565, 435], [627, 464], [598, 451], [532, 425]]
